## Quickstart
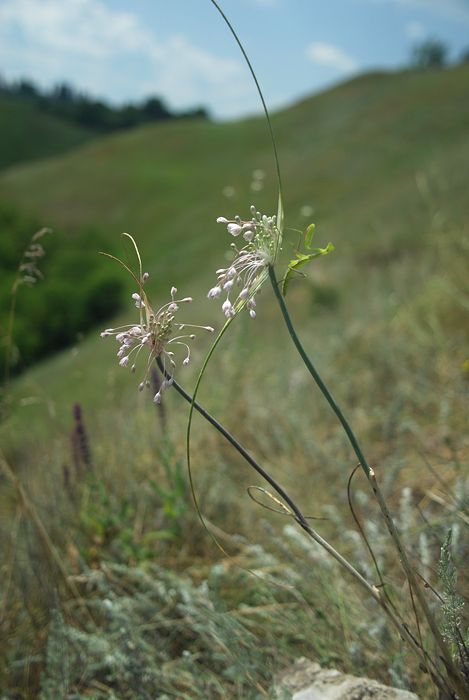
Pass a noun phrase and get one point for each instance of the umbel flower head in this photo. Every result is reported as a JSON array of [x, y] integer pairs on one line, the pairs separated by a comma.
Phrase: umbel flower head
[[241, 280], [156, 333]]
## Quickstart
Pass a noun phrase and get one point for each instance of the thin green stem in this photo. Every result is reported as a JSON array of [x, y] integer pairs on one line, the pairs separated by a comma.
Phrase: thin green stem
[[259, 90], [299, 517]]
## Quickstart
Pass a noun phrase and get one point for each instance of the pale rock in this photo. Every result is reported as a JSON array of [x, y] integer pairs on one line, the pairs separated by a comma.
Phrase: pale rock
[[306, 680]]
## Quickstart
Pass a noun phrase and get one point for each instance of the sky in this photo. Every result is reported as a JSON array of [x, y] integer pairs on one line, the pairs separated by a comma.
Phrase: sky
[[127, 50]]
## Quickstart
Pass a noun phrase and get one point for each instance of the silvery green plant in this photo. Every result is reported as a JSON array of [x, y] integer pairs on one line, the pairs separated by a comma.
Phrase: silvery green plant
[[452, 606]]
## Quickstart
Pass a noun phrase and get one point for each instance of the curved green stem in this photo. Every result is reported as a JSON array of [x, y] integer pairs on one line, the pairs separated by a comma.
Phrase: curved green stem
[[258, 87]]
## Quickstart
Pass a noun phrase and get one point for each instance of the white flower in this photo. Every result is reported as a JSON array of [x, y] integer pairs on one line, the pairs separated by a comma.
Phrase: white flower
[[157, 333], [228, 309], [234, 229], [249, 268], [214, 292]]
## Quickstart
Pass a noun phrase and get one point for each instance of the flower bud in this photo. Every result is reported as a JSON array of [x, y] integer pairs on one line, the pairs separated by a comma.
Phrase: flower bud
[[234, 229], [214, 293], [228, 309]]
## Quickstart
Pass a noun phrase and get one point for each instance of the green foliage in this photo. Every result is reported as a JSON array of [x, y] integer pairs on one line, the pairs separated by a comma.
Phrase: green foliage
[[452, 605], [27, 134], [107, 527], [159, 635], [174, 496], [75, 289], [302, 259], [55, 681], [430, 53], [108, 522]]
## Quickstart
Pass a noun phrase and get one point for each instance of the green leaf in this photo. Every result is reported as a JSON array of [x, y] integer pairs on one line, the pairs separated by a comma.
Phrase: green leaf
[[156, 536], [301, 260], [309, 235]]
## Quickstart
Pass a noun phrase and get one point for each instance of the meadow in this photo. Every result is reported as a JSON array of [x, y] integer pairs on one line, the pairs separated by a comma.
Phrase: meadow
[[108, 577]]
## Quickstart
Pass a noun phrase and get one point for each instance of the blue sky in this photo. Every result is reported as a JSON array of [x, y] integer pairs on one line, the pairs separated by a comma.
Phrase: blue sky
[[128, 49]]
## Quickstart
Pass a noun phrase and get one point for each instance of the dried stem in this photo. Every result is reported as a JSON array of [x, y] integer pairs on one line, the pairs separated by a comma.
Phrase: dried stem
[[49, 547]]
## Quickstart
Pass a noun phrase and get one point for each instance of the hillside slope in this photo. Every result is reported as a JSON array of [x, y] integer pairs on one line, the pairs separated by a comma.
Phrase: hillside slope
[[27, 133], [361, 143], [381, 161]]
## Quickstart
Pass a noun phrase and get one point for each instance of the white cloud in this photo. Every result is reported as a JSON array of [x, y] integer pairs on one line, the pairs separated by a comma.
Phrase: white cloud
[[76, 26], [110, 52], [331, 56], [415, 30]]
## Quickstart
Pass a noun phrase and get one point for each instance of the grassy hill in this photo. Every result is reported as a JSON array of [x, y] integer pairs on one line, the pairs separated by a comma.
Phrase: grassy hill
[[27, 133], [364, 141], [381, 161]]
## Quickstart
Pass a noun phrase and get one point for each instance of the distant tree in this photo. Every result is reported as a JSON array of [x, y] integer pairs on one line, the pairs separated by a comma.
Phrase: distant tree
[[68, 103], [197, 113], [154, 109], [431, 53], [128, 116], [63, 93], [26, 88], [465, 56]]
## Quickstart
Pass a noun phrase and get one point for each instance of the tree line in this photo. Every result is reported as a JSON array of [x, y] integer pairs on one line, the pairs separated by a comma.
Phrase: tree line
[[91, 113], [433, 53]]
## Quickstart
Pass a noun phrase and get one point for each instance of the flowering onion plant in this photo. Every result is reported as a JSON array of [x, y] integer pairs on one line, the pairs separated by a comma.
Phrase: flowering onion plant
[[157, 332], [249, 269]]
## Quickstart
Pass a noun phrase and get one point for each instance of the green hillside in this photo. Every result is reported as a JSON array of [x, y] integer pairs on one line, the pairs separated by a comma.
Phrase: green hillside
[[27, 133], [381, 160], [380, 165], [363, 141]]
